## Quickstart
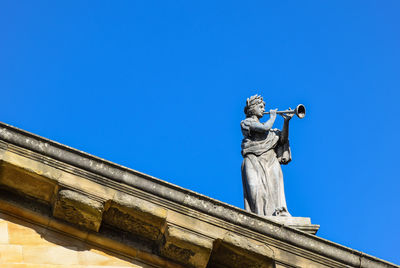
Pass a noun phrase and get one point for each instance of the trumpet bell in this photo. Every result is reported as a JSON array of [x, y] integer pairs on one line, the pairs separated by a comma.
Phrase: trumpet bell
[[300, 111]]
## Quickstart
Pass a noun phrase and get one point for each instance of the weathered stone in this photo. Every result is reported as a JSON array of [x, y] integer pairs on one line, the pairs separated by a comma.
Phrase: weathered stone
[[75, 182], [186, 247], [66, 234], [21, 180], [136, 216], [301, 223], [78, 209], [236, 252]]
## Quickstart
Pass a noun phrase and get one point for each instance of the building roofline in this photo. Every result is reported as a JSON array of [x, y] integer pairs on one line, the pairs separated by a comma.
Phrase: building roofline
[[187, 198]]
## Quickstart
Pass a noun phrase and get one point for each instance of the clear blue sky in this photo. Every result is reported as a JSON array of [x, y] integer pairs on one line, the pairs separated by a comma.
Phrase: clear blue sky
[[160, 86]]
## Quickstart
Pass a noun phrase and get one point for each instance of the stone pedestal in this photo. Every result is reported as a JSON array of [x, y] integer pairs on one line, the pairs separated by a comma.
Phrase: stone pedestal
[[301, 223]]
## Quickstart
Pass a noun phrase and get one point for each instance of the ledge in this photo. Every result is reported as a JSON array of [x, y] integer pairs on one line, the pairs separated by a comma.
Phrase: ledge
[[50, 166]]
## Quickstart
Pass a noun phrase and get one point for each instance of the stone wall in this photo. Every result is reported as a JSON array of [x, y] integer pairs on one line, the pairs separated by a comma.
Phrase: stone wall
[[27, 245]]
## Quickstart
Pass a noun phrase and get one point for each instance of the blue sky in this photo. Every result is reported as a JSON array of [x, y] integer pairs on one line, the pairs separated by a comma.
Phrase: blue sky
[[160, 87]]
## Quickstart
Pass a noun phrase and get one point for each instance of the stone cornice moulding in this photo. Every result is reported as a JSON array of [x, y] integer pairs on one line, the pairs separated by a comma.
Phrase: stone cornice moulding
[[177, 198]]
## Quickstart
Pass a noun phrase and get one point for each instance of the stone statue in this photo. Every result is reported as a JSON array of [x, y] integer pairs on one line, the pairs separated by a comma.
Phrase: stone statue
[[264, 149]]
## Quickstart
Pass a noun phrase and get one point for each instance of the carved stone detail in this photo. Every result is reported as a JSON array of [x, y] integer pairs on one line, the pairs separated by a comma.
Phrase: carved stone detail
[[235, 251], [78, 209], [189, 248], [136, 216]]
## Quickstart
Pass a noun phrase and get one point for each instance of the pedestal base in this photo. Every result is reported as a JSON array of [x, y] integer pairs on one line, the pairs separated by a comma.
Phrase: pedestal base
[[301, 223]]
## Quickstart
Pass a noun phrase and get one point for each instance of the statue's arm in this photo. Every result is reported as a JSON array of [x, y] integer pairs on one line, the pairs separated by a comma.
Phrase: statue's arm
[[263, 127], [285, 132], [285, 129]]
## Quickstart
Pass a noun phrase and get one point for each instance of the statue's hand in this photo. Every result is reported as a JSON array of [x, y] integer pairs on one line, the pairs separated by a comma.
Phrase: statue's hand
[[288, 116], [272, 112]]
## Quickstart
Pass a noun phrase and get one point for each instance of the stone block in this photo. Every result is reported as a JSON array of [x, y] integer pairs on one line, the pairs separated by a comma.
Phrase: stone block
[[136, 216], [186, 247], [27, 160], [84, 185], [10, 254], [14, 265], [50, 255], [24, 233], [3, 232], [78, 209], [192, 222], [237, 251], [29, 183]]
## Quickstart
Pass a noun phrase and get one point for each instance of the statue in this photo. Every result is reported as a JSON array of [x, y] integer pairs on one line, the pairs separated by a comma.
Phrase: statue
[[264, 149]]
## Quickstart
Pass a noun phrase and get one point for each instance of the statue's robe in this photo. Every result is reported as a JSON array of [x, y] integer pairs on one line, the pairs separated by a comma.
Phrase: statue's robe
[[262, 176]]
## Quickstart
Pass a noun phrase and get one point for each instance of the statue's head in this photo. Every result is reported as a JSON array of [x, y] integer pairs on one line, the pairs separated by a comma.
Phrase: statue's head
[[254, 106]]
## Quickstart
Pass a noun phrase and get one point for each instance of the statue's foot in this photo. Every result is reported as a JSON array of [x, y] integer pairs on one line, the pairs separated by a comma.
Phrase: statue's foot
[[282, 212], [285, 214]]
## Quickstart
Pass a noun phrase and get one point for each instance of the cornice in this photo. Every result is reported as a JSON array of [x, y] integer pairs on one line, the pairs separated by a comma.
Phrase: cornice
[[180, 200]]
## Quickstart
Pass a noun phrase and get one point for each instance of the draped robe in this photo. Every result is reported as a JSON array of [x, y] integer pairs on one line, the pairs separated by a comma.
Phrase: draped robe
[[261, 171]]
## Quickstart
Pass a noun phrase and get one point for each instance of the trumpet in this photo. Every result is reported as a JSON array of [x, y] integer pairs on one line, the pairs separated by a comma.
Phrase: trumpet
[[300, 111]]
